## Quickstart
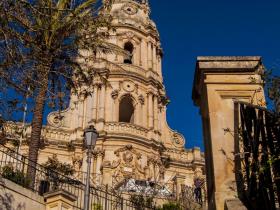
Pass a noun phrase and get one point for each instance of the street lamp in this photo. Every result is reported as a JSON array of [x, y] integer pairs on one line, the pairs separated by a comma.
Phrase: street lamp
[[90, 135]]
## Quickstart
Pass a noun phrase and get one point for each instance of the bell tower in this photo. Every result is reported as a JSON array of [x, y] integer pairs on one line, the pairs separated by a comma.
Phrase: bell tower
[[137, 34], [129, 110]]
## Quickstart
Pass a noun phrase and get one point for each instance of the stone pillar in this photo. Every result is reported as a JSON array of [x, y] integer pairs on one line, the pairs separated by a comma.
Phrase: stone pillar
[[59, 200], [219, 81], [150, 110], [80, 113], [155, 113], [144, 54], [179, 180], [144, 112], [101, 116], [99, 158], [160, 121], [138, 57], [94, 163], [116, 110], [137, 113], [95, 103], [160, 66], [88, 110], [150, 56], [74, 121], [152, 170], [154, 58]]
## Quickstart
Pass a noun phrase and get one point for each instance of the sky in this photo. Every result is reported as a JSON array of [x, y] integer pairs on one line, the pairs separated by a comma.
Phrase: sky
[[191, 28]]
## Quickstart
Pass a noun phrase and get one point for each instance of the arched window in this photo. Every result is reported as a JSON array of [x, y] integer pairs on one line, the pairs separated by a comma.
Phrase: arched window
[[128, 47], [126, 110]]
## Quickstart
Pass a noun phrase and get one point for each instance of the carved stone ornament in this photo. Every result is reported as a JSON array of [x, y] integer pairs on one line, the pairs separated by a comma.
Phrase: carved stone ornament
[[128, 86], [178, 140], [127, 157], [115, 94], [128, 163], [77, 162], [130, 9], [55, 119], [141, 99]]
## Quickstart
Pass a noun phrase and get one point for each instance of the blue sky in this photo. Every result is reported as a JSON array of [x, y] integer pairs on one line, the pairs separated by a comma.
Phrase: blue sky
[[191, 28]]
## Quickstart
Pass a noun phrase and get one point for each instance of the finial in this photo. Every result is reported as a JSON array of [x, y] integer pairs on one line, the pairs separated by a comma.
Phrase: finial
[[145, 2]]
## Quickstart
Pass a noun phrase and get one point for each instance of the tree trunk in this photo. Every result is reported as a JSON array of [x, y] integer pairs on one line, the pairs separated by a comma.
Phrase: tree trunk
[[37, 123]]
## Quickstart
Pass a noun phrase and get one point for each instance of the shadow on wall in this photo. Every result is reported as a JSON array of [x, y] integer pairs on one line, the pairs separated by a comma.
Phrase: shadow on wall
[[7, 200]]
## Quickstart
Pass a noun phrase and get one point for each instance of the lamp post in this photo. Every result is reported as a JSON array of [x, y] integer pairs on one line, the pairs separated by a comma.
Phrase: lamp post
[[90, 136]]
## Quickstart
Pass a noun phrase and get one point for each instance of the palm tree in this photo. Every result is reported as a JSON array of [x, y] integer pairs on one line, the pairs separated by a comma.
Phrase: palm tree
[[42, 44]]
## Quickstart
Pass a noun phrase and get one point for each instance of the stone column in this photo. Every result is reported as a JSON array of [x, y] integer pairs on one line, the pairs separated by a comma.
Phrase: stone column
[[98, 163], [160, 66], [154, 58], [95, 103], [116, 110], [144, 54], [138, 57], [160, 121], [94, 163], [219, 81], [180, 180], [144, 112], [155, 113], [152, 170], [150, 110], [74, 121], [88, 110], [80, 113], [150, 56], [101, 116]]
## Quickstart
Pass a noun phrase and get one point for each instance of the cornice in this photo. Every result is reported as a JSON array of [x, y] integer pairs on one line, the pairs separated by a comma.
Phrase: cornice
[[146, 32], [152, 144], [134, 76]]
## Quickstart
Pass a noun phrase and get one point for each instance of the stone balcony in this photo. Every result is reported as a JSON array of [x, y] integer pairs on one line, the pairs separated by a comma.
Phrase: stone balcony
[[126, 129]]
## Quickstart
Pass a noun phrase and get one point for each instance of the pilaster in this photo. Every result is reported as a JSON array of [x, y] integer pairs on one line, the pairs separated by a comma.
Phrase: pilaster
[[150, 110], [95, 103], [219, 81]]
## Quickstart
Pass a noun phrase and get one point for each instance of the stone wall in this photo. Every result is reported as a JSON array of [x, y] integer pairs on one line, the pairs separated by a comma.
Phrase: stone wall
[[13, 196]]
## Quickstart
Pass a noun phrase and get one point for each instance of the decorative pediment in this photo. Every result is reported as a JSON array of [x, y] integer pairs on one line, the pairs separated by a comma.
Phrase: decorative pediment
[[127, 148]]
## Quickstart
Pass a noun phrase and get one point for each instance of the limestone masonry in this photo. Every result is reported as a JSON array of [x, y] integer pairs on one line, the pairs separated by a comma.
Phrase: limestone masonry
[[129, 112]]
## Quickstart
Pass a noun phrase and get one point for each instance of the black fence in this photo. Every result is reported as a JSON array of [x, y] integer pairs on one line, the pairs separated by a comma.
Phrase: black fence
[[13, 166], [257, 156]]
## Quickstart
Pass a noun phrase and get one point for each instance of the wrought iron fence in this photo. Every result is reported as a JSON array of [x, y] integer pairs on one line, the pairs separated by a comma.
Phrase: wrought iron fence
[[257, 156], [13, 166]]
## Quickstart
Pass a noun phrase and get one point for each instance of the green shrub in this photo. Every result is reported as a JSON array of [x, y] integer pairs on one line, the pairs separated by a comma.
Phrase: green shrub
[[170, 206], [16, 176], [96, 206], [140, 202]]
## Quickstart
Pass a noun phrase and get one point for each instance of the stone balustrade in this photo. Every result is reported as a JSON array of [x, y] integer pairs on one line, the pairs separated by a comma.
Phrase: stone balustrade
[[126, 128], [134, 69], [56, 134]]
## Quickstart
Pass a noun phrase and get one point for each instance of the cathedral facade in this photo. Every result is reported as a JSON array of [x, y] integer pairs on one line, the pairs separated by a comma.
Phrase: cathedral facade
[[129, 111]]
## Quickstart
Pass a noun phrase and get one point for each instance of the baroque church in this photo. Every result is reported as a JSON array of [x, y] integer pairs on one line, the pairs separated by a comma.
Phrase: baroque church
[[129, 112]]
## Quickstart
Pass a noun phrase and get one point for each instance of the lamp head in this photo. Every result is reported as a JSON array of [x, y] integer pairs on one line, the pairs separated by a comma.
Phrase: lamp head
[[90, 136]]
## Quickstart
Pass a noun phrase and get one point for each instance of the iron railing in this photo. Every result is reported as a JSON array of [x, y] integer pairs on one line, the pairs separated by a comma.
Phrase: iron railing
[[257, 156], [13, 166]]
